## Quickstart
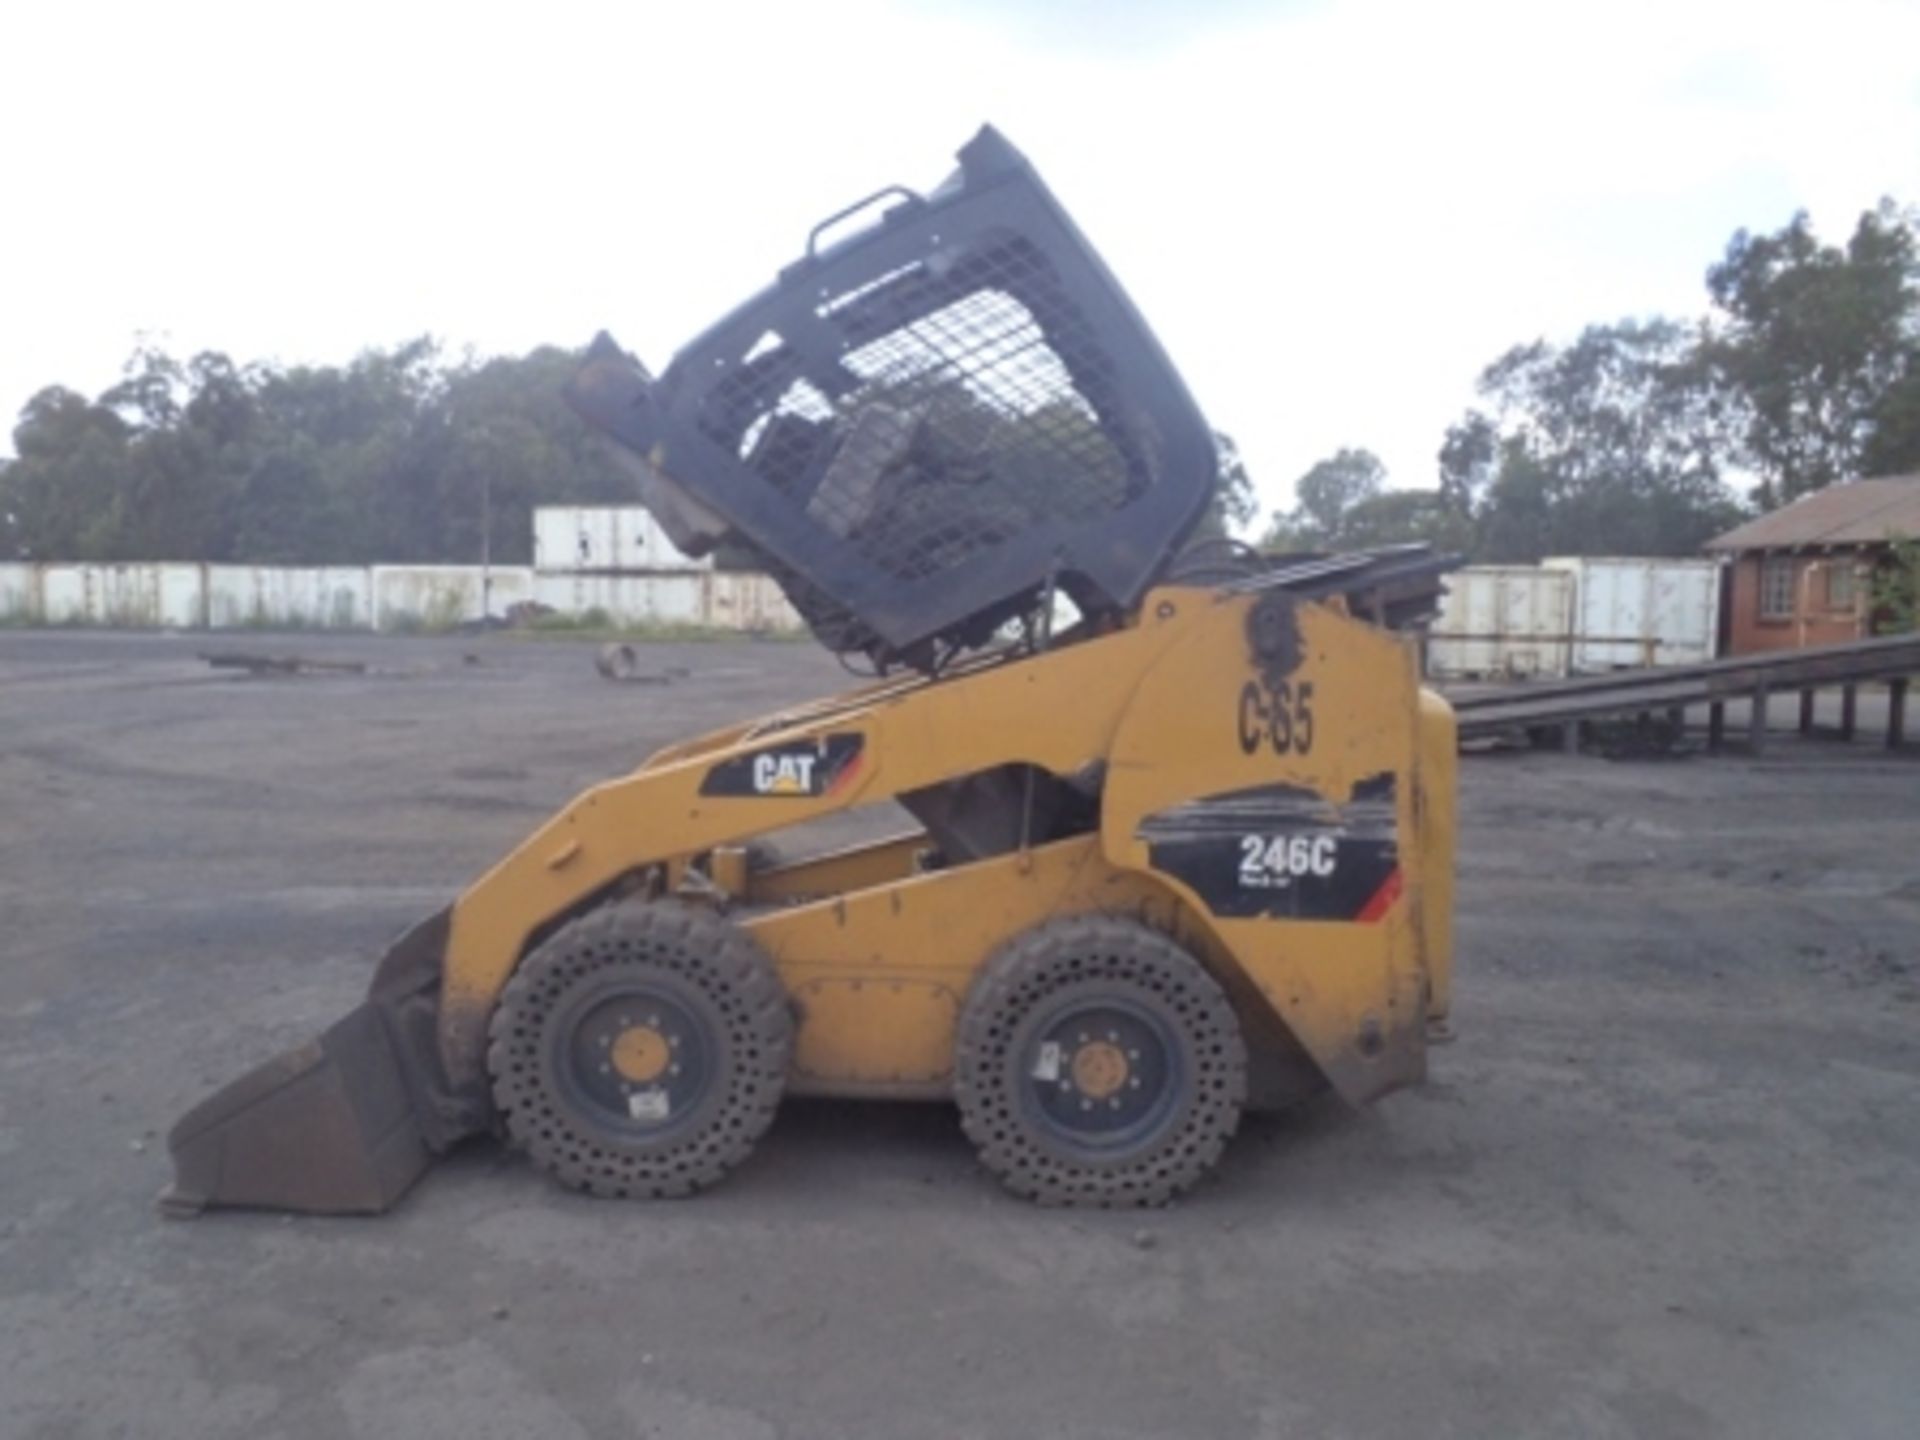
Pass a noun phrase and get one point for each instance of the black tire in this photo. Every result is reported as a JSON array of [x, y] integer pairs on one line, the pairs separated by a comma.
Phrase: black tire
[[1151, 1092], [664, 1009]]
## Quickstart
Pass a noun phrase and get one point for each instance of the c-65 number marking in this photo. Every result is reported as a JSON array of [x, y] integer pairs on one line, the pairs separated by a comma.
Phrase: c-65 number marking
[[1278, 715]]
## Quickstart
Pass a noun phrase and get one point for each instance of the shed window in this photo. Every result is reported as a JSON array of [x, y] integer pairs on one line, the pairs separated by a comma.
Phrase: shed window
[[1840, 589], [1776, 587]]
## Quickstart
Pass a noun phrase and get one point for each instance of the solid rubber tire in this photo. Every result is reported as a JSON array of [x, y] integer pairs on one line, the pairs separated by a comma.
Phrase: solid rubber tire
[[642, 941], [1146, 968]]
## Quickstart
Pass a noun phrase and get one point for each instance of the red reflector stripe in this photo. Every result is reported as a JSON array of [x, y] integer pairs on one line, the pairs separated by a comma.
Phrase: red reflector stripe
[[1382, 900], [845, 777]]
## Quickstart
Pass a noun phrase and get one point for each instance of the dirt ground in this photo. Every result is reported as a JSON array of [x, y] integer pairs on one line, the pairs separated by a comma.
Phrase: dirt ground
[[1665, 1183]]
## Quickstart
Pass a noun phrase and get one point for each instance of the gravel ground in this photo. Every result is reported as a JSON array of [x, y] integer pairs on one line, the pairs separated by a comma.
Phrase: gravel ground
[[1664, 1183]]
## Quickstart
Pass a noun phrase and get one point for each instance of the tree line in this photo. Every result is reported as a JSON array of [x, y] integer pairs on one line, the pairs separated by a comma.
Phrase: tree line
[[1631, 438], [402, 455]]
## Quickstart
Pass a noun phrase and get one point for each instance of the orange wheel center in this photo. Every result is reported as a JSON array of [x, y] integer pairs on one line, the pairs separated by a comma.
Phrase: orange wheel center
[[641, 1054], [1099, 1069]]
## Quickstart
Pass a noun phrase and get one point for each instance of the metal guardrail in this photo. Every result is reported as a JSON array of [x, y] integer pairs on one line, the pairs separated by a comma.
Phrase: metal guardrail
[[1565, 703]]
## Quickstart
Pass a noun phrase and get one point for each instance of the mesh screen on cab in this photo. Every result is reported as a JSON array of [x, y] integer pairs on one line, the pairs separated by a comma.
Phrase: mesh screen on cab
[[935, 411]]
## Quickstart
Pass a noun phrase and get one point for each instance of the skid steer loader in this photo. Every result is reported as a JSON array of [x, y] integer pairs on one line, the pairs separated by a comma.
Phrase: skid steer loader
[[1182, 816]]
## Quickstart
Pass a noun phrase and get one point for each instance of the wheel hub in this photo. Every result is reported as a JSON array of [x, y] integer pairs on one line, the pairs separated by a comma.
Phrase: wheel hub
[[1099, 1069], [641, 1054], [1098, 1063], [1100, 1073]]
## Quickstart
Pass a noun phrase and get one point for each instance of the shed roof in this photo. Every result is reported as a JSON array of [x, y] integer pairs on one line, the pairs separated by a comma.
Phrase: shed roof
[[1862, 512]]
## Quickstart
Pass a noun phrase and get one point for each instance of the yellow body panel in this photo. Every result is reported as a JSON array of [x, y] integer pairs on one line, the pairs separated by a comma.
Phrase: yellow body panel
[[839, 871], [1353, 994], [878, 976], [1187, 723]]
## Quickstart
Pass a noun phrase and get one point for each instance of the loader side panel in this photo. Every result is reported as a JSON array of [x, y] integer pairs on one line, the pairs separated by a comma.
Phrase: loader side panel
[[1277, 794]]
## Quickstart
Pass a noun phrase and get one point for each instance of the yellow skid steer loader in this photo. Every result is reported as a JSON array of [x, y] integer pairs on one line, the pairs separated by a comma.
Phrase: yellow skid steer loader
[[1189, 852]]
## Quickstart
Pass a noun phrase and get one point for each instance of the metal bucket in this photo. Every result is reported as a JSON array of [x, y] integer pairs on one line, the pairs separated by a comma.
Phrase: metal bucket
[[342, 1125]]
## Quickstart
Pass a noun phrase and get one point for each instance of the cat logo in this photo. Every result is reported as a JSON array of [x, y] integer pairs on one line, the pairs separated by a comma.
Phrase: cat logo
[[775, 774], [798, 769]]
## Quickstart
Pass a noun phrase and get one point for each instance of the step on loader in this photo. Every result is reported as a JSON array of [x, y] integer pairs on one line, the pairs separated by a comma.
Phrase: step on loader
[[1175, 820]]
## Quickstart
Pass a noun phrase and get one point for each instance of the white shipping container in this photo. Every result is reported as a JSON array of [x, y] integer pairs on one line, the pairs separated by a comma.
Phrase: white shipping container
[[606, 539], [19, 592], [136, 595], [1502, 622], [387, 597], [740, 601], [723, 600], [435, 596], [63, 595], [331, 597], [1631, 613], [625, 599]]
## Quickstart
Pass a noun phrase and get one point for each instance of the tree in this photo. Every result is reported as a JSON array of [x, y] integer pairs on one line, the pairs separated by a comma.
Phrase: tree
[[1468, 457], [1817, 350], [1234, 504], [1334, 486], [393, 456], [1896, 588], [508, 430], [148, 393], [1343, 503], [1399, 517], [64, 493], [1322, 499], [1608, 445]]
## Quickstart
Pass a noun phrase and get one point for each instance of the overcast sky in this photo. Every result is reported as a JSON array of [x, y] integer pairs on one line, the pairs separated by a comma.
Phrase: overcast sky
[[1333, 213]]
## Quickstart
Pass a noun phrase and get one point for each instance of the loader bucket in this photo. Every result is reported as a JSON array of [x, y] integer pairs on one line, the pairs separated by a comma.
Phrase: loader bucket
[[341, 1125], [327, 1127]]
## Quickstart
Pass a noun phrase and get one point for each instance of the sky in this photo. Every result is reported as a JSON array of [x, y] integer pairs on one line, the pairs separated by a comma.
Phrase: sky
[[1334, 214]]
